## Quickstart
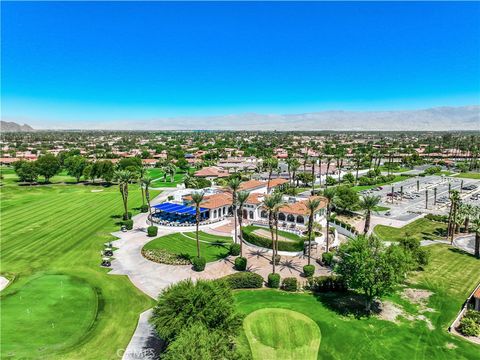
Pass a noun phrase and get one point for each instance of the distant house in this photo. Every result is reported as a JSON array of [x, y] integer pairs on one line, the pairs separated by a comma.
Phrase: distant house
[[211, 173], [150, 163]]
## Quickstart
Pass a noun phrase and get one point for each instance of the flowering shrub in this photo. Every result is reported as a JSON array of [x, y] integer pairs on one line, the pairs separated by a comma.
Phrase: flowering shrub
[[164, 257]]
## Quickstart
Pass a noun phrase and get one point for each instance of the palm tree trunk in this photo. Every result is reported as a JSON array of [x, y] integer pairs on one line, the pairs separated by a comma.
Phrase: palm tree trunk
[[367, 222], [241, 237], [143, 195], [328, 226], [477, 244], [197, 218]]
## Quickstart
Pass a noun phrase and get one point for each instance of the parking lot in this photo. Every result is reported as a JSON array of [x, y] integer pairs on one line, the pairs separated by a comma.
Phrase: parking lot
[[409, 198]]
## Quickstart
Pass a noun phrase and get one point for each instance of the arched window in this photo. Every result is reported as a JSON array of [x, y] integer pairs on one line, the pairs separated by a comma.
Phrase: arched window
[[224, 209], [250, 214], [214, 213], [300, 219], [263, 214], [281, 217], [290, 218], [245, 214]]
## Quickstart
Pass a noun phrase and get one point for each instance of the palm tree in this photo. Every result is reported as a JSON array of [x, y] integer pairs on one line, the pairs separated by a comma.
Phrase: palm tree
[[146, 182], [172, 170], [313, 161], [312, 206], [294, 166], [242, 197], [141, 174], [270, 164], [197, 198], [454, 201], [369, 203], [476, 228], [329, 194], [123, 177], [234, 185], [270, 203]]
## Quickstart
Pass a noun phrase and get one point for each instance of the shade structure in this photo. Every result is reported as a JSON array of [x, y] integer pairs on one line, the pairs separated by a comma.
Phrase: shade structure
[[180, 209]]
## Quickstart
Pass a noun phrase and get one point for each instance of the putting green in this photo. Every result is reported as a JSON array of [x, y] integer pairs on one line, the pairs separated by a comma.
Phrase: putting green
[[282, 334], [59, 306]]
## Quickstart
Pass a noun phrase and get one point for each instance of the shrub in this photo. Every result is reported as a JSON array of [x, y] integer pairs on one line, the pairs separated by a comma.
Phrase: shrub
[[244, 280], [273, 281], [277, 259], [439, 218], [234, 249], [308, 270], [241, 263], [170, 197], [198, 263], [144, 208], [469, 327], [326, 283], [290, 284], [128, 224], [152, 231], [327, 258], [129, 216], [189, 302], [162, 256]]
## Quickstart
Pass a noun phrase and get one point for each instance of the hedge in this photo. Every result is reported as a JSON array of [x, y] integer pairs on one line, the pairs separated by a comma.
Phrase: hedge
[[273, 281], [144, 208], [243, 280], [234, 249], [152, 231], [438, 218], [326, 283], [128, 224], [327, 258], [290, 284], [198, 263], [250, 237], [308, 270], [240, 263]]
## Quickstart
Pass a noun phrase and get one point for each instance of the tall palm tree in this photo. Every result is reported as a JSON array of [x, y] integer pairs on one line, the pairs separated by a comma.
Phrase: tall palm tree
[[197, 198], [123, 177], [242, 197], [271, 203], [294, 166], [368, 203], [454, 202], [476, 228], [141, 173], [313, 162], [234, 185], [146, 182], [312, 206], [329, 194], [172, 170], [271, 164]]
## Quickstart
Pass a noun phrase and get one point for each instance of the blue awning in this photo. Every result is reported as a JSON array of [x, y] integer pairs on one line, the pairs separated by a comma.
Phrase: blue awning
[[172, 208]]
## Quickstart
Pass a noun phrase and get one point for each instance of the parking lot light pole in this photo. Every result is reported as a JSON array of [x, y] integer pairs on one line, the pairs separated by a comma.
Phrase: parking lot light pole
[[392, 193], [418, 185], [449, 187], [435, 196], [401, 192], [461, 186], [426, 198]]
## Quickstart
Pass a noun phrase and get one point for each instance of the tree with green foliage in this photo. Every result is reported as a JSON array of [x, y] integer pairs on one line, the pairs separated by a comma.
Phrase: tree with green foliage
[[131, 164], [367, 265], [454, 203], [329, 194], [312, 207], [368, 203], [186, 303], [270, 164], [476, 228], [26, 171], [48, 166], [183, 165], [146, 182], [270, 202], [346, 198], [197, 198], [124, 177], [349, 178], [234, 186], [75, 166]]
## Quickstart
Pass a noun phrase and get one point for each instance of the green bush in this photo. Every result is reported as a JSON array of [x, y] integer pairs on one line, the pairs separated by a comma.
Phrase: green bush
[[234, 249], [198, 263], [128, 224], [326, 283], [128, 217], [241, 263], [277, 259], [244, 280], [290, 284], [249, 236], [469, 327], [144, 208], [273, 281], [152, 231], [327, 258], [308, 270], [438, 218]]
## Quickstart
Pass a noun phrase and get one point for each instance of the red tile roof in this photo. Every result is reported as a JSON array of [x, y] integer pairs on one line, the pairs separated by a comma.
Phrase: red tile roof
[[211, 171]]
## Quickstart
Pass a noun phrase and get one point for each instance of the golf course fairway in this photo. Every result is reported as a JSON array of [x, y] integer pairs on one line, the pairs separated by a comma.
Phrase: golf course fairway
[[282, 334]]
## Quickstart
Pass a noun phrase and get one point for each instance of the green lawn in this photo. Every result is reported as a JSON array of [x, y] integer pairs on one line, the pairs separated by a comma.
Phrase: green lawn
[[469, 175], [156, 173], [51, 237], [396, 170], [451, 276], [212, 247], [281, 334], [421, 229], [368, 187], [285, 234]]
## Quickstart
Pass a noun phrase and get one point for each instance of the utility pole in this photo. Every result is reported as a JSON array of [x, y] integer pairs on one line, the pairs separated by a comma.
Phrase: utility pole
[[401, 192], [461, 186], [392, 193], [426, 198], [449, 188], [418, 185]]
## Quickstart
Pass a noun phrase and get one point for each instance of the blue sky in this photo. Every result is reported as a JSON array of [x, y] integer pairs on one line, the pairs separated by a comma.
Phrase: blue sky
[[65, 63]]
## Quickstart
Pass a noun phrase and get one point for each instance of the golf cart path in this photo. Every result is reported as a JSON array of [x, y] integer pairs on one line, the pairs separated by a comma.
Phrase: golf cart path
[[3, 282]]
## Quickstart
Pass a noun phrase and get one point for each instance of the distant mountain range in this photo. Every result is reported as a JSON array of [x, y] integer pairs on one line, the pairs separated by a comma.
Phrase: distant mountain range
[[12, 126]]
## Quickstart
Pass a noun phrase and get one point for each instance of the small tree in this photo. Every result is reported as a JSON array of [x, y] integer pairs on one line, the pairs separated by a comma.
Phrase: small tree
[[242, 197], [270, 203], [26, 171], [312, 207], [75, 166], [123, 177], [197, 198], [366, 265], [48, 166], [368, 203], [234, 185], [329, 194]]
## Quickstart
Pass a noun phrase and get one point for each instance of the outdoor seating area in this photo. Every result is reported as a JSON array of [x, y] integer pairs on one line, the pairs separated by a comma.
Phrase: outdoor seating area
[[174, 214], [293, 228]]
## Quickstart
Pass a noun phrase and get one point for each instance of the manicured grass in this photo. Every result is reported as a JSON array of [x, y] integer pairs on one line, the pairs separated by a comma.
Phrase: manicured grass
[[293, 242], [421, 229], [281, 334], [469, 175], [368, 187], [396, 170], [212, 247], [381, 208], [157, 175], [285, 234], [451, 276], [60, 229], [73, 301]]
